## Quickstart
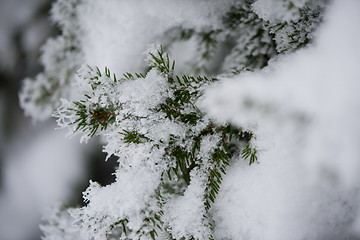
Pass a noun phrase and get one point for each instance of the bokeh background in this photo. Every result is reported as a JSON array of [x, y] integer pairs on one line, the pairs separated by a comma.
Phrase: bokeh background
[[38, 165]]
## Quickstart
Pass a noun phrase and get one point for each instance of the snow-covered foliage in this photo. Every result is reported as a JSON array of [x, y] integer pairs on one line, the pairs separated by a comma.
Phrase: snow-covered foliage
[[61, 58], [181, 140], [60, 225], [171, 156]]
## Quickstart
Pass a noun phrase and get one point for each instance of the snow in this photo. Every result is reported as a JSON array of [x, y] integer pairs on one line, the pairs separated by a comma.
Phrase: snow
[[304, 110], [191, 202], [278, 10], [130, 194], [134, 23]]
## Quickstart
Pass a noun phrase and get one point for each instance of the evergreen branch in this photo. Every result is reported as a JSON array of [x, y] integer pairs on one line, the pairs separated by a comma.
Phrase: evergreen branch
[[161, 62], [134, 137], [122, 223], [220, 161], [130, 76], [91, 120], [183, 153], [249, 153]]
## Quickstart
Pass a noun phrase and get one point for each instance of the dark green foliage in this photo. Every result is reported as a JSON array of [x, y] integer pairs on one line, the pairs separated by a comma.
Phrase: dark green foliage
[[161, 62], [129, 76], [151, 225], [134, 137], [221, 161], [93, 119], [249, 154]]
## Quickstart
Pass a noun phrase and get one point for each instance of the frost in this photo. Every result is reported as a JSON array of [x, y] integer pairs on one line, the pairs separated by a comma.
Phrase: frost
[[30, 93], [65, 14], [60, 226], [278, 10], [58, 56], [61, 57]]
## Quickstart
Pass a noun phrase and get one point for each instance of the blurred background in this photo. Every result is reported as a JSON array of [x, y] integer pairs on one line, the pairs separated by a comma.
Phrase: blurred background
[[39, 167]]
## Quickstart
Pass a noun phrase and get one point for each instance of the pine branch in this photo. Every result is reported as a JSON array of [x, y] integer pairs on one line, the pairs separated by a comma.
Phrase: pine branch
[[250, 154], [161, 62], [90, 120], [183, 153], [134, 137]]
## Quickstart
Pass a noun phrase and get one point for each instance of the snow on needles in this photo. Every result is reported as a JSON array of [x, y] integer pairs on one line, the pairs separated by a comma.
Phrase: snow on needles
[[305, 111], [127, 112]]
